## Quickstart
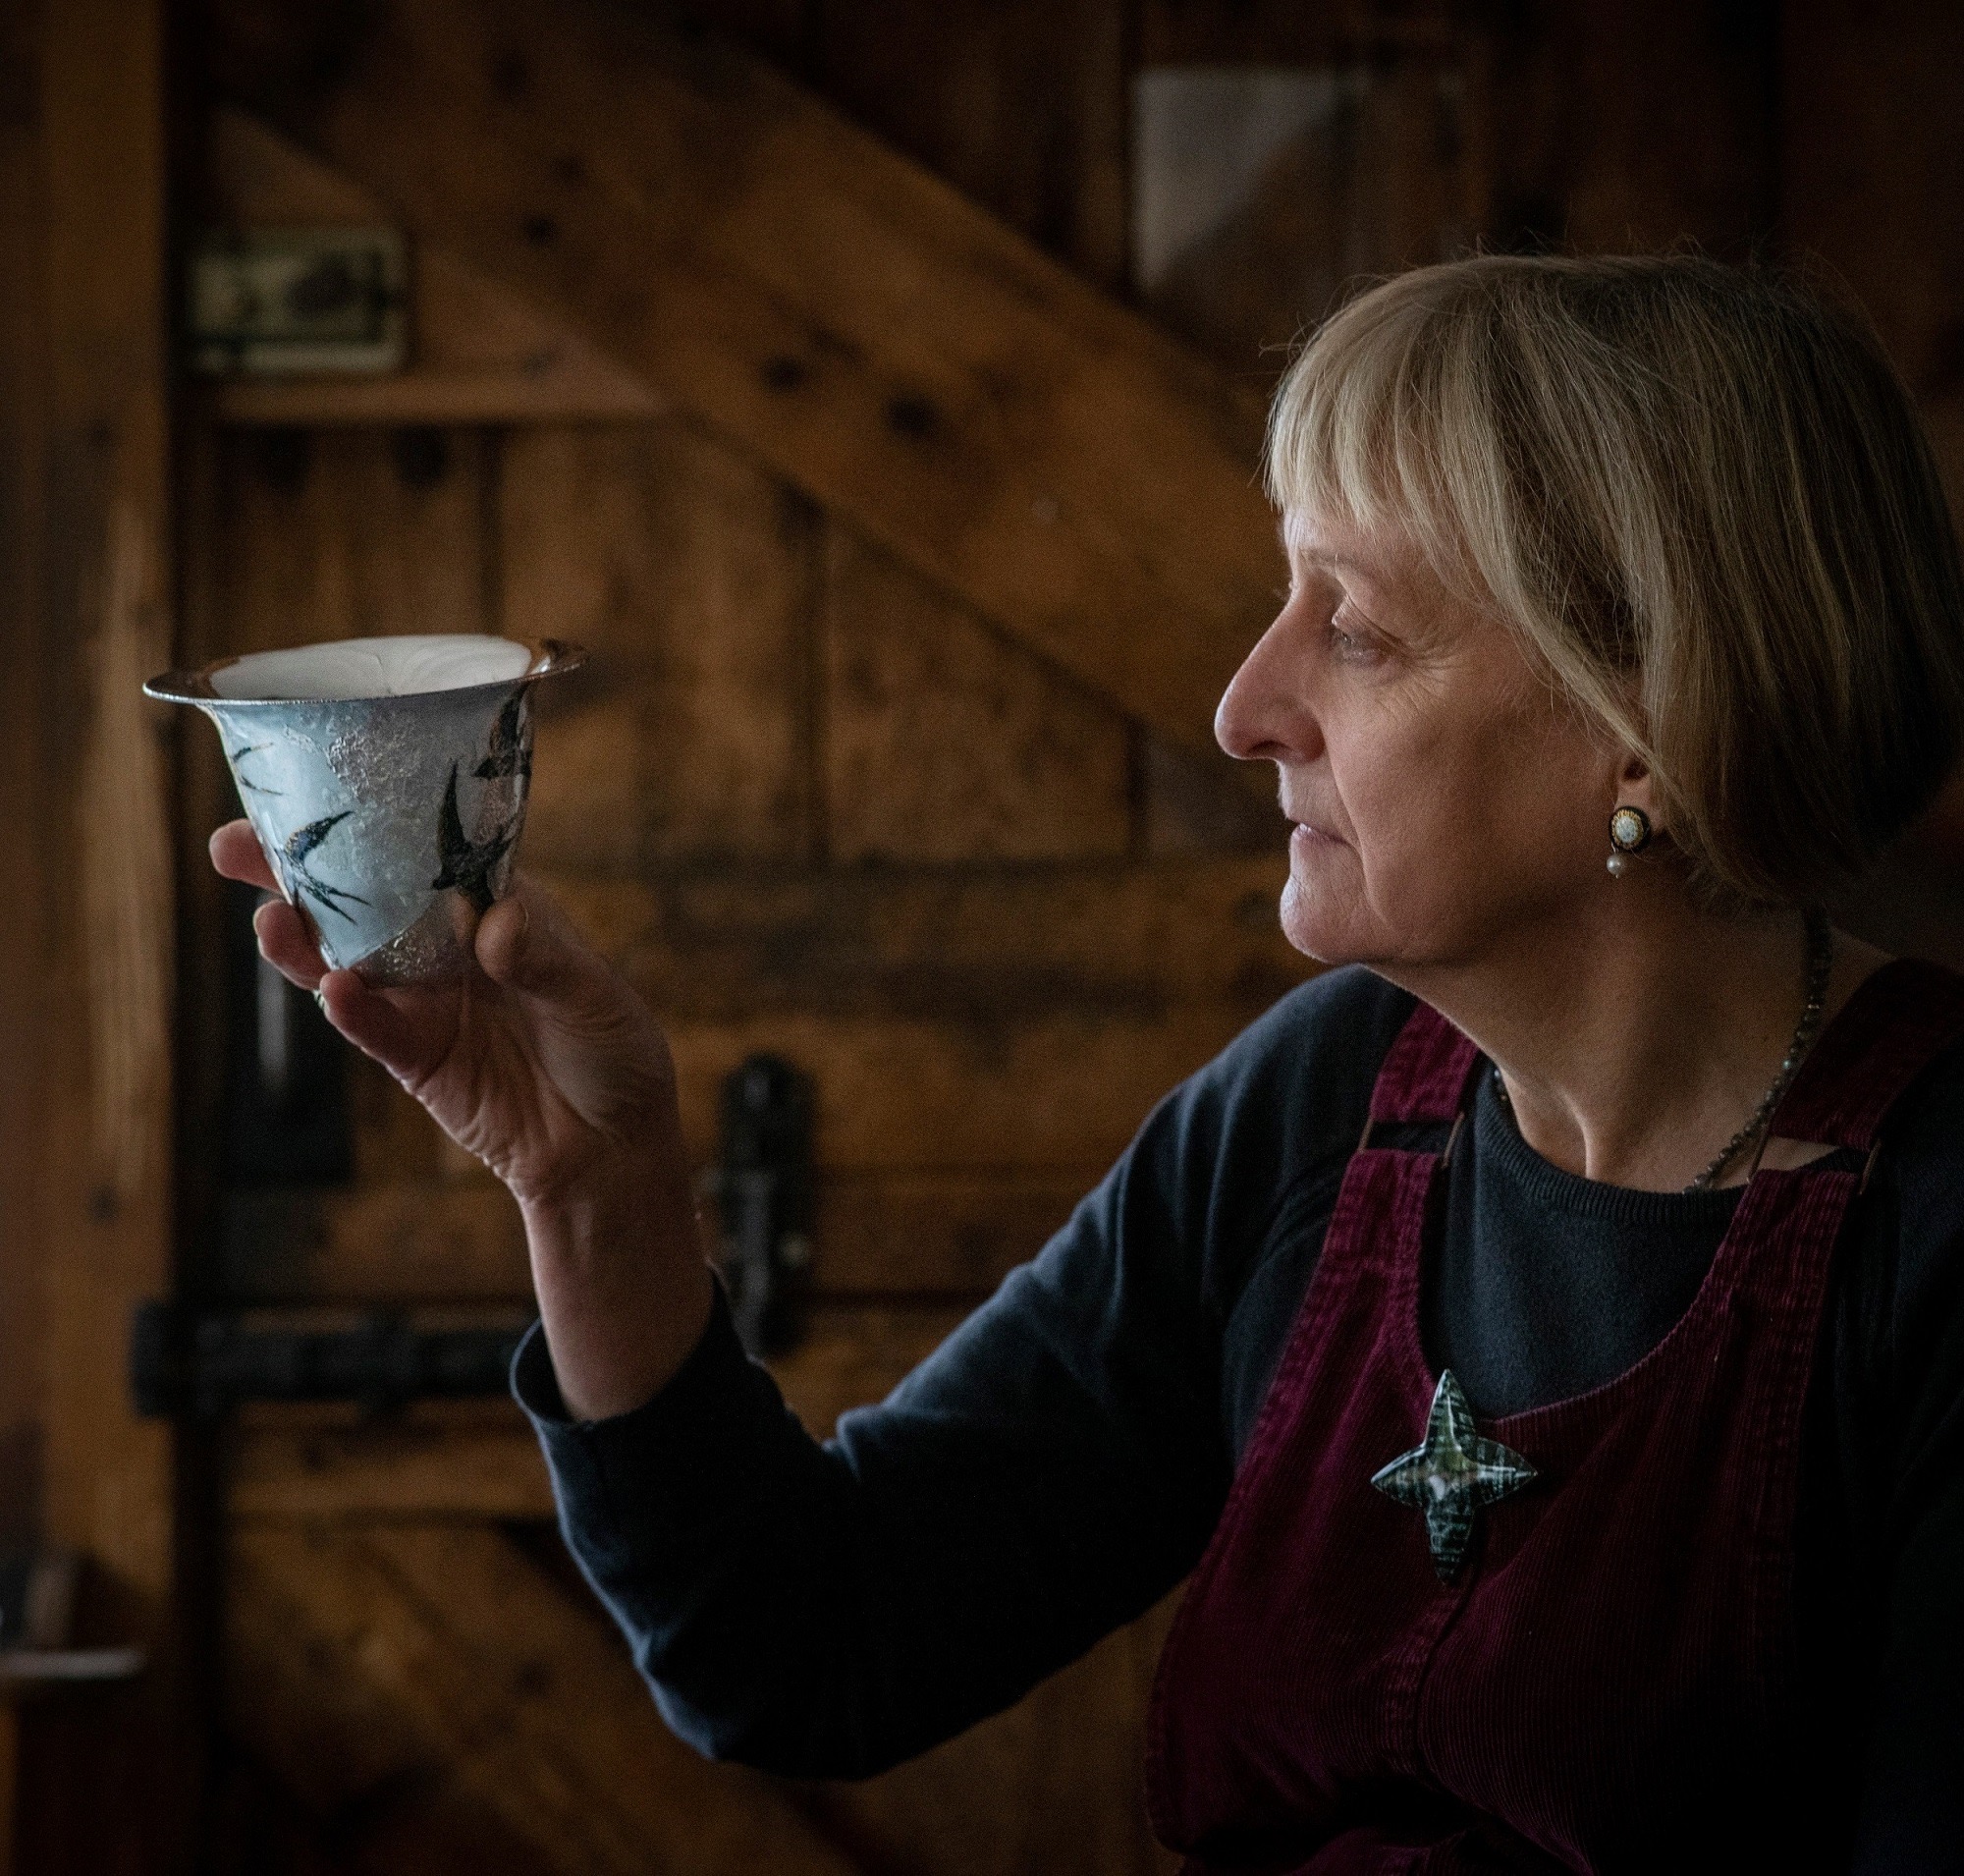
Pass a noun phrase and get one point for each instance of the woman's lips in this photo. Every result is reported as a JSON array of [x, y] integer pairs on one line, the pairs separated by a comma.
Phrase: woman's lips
[[1311, 838]]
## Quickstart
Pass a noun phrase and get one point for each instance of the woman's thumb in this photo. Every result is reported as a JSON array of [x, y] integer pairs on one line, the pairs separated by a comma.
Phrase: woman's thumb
[[523, 945], [504, 937]]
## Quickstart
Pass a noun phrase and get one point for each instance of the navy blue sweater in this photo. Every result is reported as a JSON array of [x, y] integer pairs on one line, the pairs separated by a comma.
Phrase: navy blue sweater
[[1060, 1462]]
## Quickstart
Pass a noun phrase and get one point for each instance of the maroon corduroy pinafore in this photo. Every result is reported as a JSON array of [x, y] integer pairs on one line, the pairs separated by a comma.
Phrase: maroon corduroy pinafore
[[1603, 1685]]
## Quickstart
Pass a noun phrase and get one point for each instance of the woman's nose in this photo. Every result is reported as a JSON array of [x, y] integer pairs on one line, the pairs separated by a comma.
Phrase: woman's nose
[[1260, 717]]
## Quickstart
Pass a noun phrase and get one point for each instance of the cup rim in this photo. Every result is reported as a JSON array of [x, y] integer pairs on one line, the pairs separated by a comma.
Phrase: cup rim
[[551, 657]]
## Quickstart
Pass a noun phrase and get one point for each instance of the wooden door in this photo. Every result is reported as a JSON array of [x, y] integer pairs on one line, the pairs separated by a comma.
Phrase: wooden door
[[850, 780], [912, 563]]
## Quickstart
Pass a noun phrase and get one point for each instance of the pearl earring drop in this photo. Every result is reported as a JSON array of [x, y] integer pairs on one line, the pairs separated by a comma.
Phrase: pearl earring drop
[[1629, 833]]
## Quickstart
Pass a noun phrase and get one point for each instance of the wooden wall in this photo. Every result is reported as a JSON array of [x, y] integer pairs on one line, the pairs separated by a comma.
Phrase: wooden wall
[[834, 786], [913, 549], [86, 942]]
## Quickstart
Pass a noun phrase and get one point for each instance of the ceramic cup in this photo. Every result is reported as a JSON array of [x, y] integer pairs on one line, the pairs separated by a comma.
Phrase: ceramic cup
[[386, 779]]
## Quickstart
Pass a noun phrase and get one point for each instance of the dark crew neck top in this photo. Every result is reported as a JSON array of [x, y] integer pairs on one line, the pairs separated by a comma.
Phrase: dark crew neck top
[[1060, 1462]]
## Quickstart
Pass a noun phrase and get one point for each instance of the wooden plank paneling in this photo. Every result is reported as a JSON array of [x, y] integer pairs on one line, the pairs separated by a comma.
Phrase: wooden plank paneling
[[1872, 103], [25, 852], [478, 354], [87, 1210], [1621, 127], [437, 1460], [967, 1017], [105, 982], [345, 534], [384, 1240], [461, 1240], [1054, 1091], [885, 345], [945, 740], [1019, 103], [1194, 804], [460, 1664], [970, 945], [423, 1686], [953, 1234], [979, 1018], [695, 576]]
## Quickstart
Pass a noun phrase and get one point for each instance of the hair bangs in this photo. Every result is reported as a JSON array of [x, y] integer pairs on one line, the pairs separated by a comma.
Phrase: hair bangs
[[1373, 428]]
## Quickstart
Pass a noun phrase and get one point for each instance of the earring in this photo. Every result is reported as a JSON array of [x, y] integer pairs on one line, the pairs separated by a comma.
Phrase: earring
[[1629, 833]]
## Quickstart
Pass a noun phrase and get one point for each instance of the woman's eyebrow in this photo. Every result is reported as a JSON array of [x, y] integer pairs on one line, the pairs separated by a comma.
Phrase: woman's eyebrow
[[1339, 563], [1320, 556]]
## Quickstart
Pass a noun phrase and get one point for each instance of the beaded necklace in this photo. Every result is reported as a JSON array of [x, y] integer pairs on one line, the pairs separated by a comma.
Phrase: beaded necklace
[[1820, 962]]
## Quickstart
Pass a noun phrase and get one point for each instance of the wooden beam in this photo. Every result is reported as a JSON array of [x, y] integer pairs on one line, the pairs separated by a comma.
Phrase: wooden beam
[[989, 943], [461, 1668], [945, 740], [87, 539], [987, 416], [478, 354], [30, 848], [693, 575], [960, 1018], [922, 1234], [478, 1458], [459, 1459], [107, 991]]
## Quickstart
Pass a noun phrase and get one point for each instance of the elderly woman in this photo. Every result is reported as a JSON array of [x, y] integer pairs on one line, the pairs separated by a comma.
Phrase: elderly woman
[[1542, 1338]]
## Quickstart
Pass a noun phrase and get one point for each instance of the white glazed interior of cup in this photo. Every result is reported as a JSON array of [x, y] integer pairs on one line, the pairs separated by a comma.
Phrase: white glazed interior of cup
[[354, 668]]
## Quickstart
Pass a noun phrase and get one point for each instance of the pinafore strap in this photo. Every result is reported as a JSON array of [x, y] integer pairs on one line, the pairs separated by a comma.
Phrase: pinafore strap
[[1424, 1077]]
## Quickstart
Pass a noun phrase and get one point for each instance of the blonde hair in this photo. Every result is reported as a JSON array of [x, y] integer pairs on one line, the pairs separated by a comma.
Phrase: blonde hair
[[1700, 495]]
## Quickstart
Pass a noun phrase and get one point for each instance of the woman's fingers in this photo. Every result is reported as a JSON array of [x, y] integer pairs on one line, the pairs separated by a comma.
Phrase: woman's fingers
[[236, 853], [287, 944], [388, 1024]]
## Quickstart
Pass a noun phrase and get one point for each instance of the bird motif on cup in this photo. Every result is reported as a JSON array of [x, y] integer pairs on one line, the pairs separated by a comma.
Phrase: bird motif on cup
[[296, 852], [510, 751], [236, 756], [469, 867]]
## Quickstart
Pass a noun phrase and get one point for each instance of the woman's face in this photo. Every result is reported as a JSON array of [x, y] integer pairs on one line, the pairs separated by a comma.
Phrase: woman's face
[[1442, 796]]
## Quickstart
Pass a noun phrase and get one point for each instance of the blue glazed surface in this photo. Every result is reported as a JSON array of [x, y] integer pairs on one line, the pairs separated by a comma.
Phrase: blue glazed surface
[[373, 811]]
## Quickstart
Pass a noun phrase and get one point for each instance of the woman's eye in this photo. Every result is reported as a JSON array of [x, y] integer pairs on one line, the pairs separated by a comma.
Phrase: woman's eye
[[1352, 643]]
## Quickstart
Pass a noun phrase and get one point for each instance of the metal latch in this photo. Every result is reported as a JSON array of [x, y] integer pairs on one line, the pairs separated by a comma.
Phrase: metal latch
[[268, 301], [762, 1187], [201, 1362]]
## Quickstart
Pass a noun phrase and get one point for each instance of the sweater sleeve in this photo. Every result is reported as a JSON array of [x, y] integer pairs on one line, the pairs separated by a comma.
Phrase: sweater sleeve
[[1053, 1470], [829, 1610]]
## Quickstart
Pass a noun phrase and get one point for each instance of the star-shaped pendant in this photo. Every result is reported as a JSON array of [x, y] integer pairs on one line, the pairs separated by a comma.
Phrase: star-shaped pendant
[[1453, 1476]]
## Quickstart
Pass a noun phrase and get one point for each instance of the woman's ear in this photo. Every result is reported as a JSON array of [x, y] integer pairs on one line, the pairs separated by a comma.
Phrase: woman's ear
[[1634, 788]]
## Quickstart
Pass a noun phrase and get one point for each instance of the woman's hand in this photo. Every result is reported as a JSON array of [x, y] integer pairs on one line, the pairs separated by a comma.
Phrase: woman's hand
[[544, 1063]]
